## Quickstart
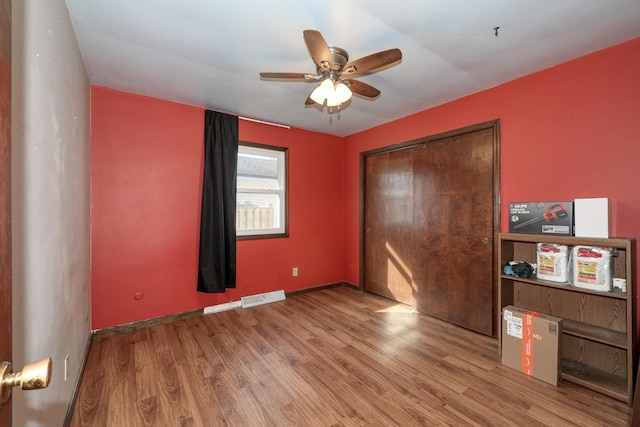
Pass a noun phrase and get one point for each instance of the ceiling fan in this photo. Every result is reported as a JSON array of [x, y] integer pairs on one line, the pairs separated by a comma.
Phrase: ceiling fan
[[335, 73]]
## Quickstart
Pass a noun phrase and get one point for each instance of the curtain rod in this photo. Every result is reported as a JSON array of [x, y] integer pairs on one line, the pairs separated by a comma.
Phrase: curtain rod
[[264, 123]]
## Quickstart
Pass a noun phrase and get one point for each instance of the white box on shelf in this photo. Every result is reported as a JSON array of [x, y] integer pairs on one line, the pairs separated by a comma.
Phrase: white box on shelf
[[591, 217]]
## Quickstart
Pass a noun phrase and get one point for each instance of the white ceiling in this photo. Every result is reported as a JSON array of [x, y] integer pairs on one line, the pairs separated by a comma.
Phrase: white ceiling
[[209, 53]]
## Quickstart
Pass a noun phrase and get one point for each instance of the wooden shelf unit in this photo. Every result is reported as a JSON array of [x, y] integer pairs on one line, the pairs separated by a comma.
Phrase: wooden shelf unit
[[599, 333]]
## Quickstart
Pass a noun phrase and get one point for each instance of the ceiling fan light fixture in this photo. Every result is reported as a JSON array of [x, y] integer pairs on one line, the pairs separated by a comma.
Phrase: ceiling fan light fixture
[[323, 91], [340, 95], [343, 93], [333, 93]]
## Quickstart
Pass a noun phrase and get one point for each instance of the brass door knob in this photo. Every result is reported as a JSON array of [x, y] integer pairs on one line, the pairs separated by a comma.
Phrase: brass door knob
[[34, 376]]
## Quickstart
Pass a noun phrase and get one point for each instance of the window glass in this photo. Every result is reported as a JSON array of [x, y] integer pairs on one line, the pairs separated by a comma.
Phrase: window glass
[[261, 209]]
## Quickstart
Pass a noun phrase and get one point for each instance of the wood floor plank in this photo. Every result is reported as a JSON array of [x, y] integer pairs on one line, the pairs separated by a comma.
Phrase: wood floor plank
[[274, 401], [145, 384], [198, 396], [90, 406], [332, 357]]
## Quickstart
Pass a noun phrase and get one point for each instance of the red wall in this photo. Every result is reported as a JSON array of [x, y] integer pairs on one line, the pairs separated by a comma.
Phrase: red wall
[[568, 132], [146, 166]]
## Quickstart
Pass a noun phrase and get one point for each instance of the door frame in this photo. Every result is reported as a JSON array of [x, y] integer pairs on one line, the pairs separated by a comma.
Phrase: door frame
[[494, 125], [5, 194]]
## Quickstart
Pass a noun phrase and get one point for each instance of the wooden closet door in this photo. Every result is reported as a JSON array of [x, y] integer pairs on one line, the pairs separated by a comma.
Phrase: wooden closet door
[[388, 233], [429, 222], [453, 230]]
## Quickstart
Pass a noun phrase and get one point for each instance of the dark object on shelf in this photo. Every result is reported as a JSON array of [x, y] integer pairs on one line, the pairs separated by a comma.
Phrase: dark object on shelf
[[520, 269]]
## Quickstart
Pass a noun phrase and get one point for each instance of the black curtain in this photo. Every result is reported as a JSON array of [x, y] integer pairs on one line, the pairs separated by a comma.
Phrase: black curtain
[[217, 260]]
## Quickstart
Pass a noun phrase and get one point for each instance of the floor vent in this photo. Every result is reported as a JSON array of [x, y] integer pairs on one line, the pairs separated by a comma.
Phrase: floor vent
[[259, 299]]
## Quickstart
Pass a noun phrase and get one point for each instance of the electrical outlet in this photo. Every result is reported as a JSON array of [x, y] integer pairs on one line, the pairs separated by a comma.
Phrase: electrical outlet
[[295, 271], [66, 368]]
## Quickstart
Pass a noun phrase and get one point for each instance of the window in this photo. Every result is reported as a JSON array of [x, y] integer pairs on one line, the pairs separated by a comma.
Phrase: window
[[262, 207]]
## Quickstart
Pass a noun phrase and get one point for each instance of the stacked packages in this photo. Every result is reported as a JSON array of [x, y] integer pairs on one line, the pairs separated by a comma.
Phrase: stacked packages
[[583, 266]]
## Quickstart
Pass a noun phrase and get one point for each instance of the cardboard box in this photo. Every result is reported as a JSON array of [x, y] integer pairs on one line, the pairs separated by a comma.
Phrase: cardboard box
[[531, 343], [552, 218], [592, 217]]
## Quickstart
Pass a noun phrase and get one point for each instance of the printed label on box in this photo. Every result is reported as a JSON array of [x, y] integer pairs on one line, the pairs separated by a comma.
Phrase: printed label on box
[[556, 229], [514, 325]]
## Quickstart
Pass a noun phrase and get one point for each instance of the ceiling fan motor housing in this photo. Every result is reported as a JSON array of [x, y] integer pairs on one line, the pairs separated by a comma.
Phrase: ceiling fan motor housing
[[340, 58]]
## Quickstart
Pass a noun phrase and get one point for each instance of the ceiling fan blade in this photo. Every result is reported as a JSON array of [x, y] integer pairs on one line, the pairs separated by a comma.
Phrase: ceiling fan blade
[[362, 89], [318, 49], [289, 76], [372, 63]]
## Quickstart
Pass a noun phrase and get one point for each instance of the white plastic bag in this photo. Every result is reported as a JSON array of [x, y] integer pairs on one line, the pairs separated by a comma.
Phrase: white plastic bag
[[591, 268], [553, 262]]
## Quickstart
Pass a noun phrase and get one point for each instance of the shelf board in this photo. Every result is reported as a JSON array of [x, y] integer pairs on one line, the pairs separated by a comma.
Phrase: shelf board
[[618, 243], [565, 287], [595, 333], [595, 379]]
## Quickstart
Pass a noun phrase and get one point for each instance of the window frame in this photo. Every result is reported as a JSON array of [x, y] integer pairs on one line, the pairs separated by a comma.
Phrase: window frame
[[285, 194]]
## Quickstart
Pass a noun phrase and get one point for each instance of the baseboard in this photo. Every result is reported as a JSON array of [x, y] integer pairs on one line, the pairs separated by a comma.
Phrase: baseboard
[[76, 387], [134, 326], [320, 288], [352, 286]]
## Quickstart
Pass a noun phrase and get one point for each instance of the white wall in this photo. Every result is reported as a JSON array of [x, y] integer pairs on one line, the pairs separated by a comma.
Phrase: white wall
[[50, 204]]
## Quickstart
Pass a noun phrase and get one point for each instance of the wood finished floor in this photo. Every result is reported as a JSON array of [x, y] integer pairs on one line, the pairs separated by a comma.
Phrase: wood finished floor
[[334, 357]]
